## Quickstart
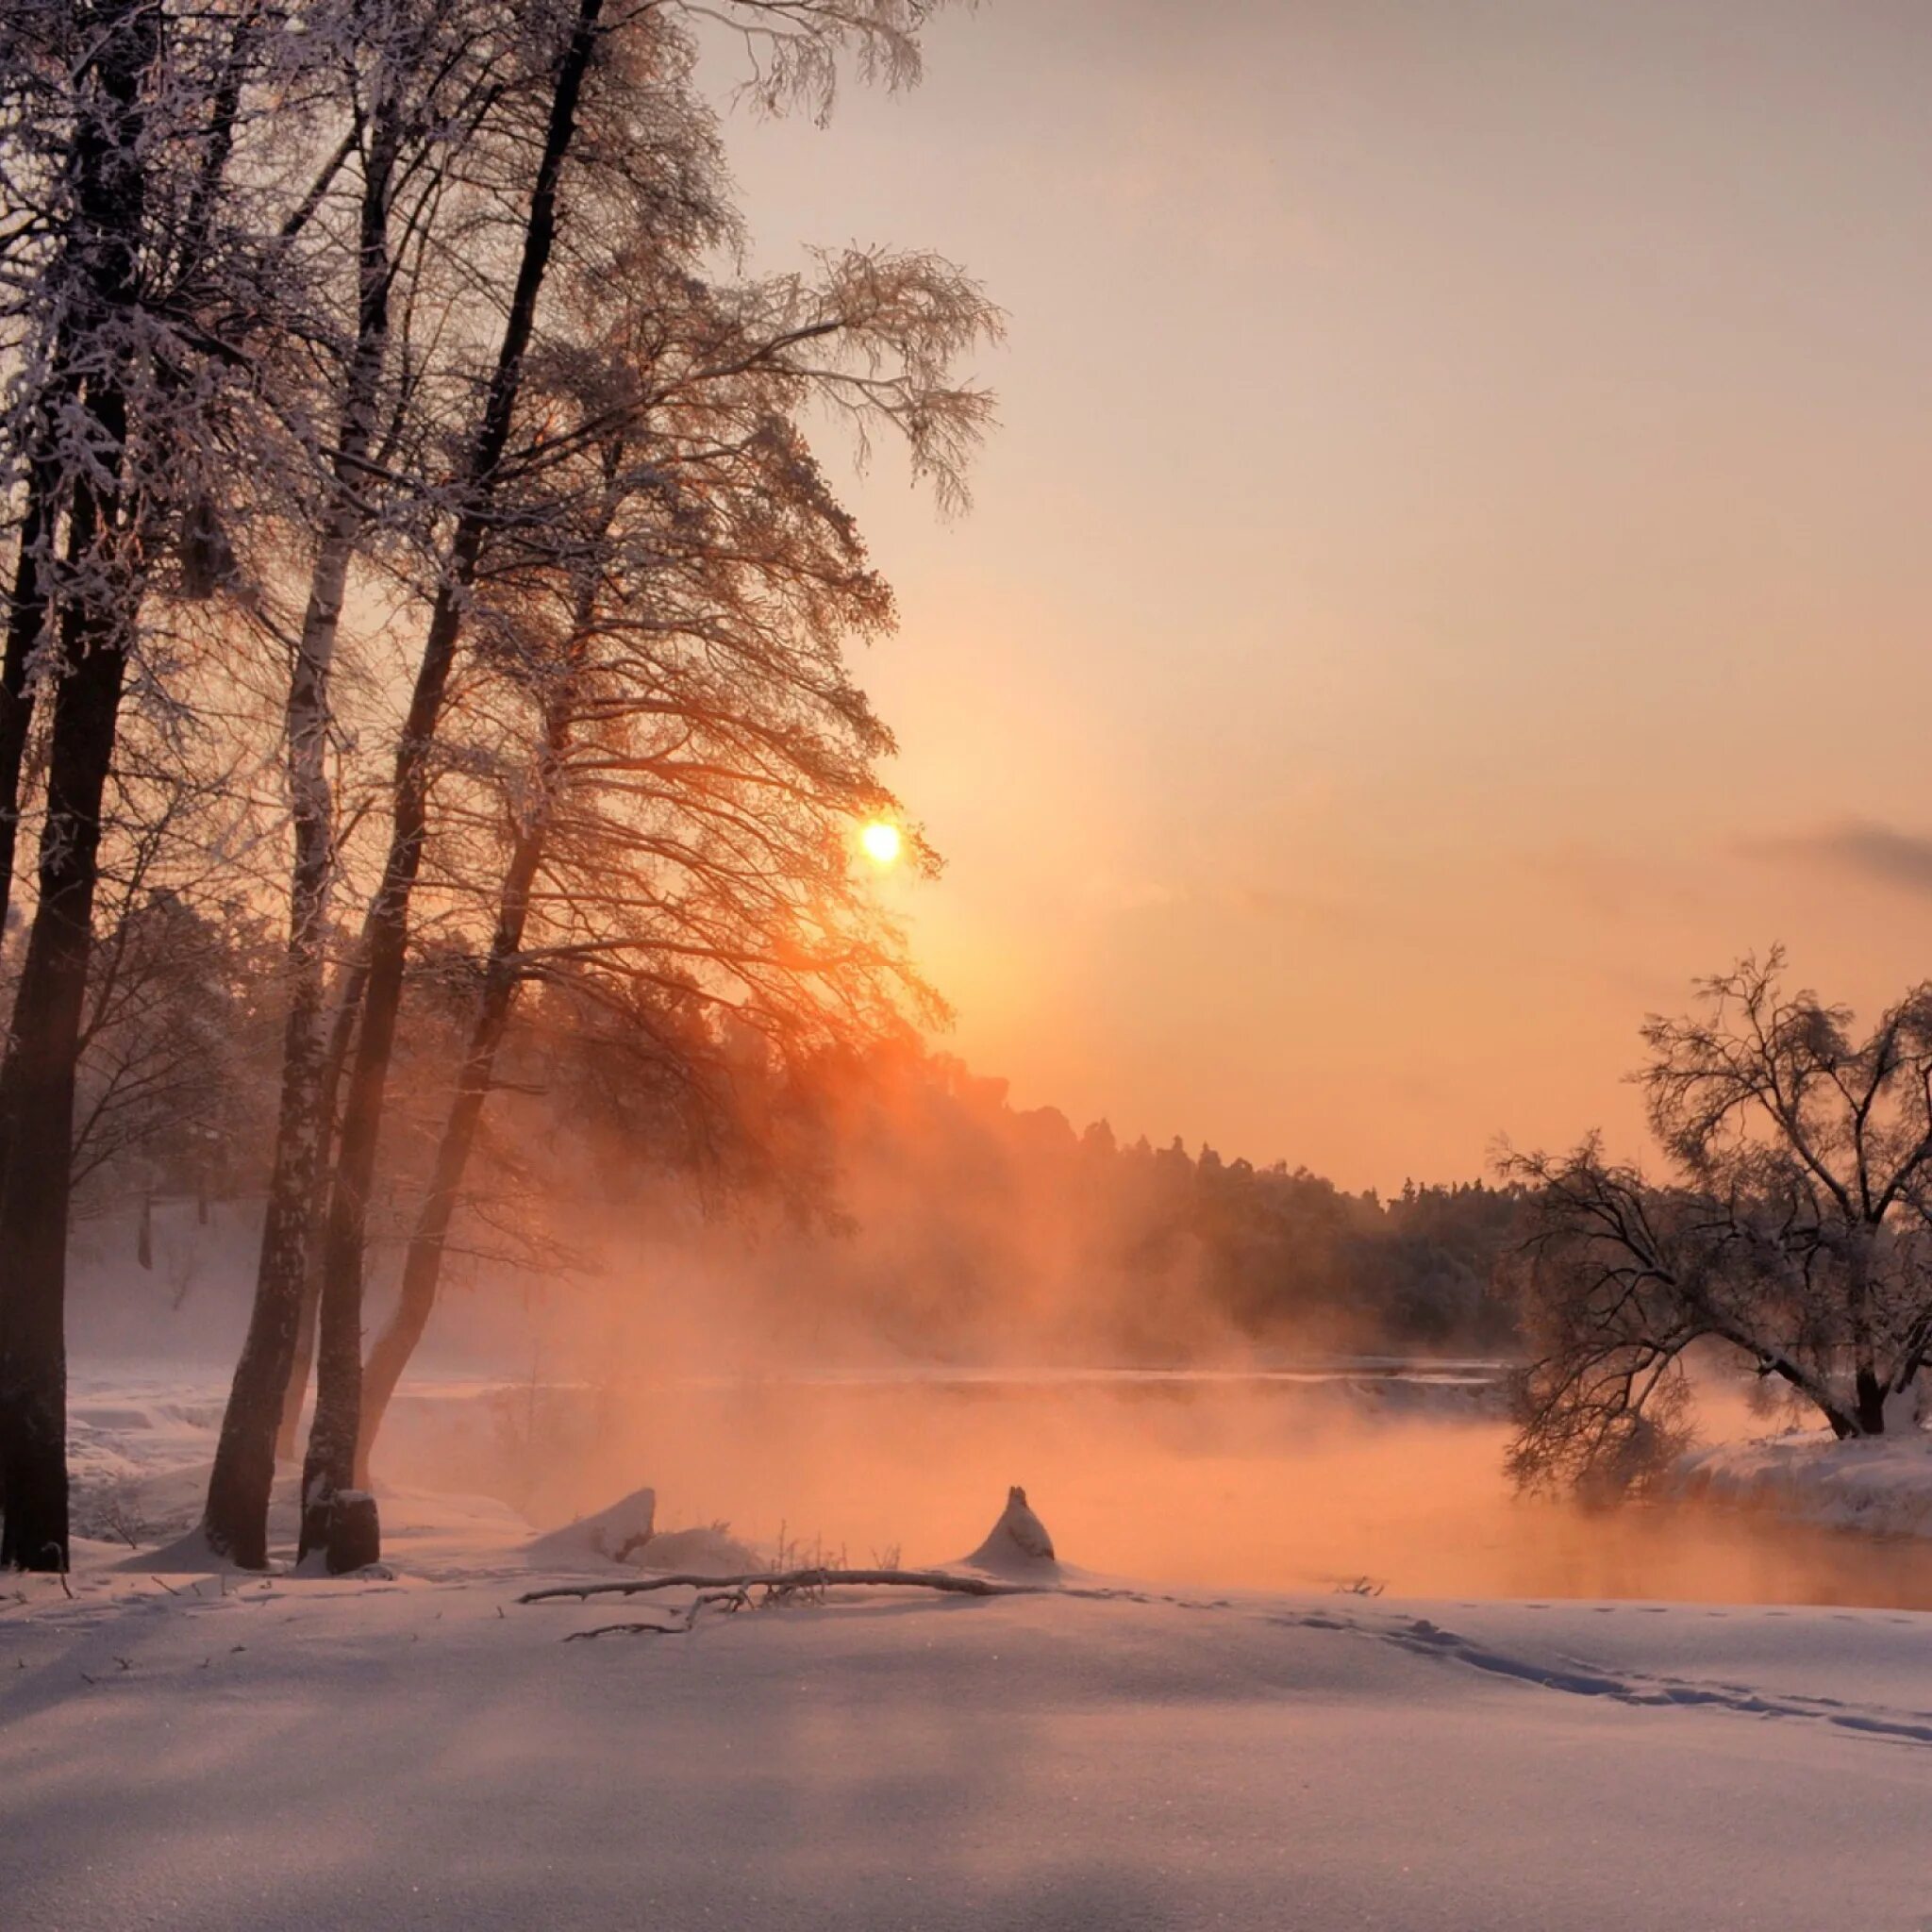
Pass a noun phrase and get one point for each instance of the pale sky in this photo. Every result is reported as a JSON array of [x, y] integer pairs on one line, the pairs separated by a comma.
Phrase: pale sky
[[1455, 562]]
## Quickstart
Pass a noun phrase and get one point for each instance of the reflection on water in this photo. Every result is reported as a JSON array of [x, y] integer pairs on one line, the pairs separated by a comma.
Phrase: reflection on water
[[1292, 1480], [1711, 1553]]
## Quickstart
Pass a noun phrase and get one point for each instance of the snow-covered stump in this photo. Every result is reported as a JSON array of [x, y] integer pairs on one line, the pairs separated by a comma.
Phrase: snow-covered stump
[[1017, 1545]]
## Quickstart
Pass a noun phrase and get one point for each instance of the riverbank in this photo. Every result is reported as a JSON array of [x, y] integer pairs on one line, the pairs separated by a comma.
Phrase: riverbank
[[1878, 1487]]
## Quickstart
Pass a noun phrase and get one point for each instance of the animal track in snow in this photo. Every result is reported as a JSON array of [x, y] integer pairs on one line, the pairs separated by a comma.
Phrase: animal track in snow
[[1576, 1678]]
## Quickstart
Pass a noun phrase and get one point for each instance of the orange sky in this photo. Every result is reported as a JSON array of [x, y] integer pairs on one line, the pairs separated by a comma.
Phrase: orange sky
[[1455, 562]]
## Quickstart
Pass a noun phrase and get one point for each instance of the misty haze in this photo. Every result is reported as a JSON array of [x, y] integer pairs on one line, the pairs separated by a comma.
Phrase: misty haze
[[967, 966]]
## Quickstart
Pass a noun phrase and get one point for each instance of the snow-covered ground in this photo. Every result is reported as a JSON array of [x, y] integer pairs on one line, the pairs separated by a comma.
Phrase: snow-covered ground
[[426, 1750], [422, 1749]]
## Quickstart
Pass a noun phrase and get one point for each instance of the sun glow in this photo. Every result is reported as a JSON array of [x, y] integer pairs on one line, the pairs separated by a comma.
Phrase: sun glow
[[881, 841]]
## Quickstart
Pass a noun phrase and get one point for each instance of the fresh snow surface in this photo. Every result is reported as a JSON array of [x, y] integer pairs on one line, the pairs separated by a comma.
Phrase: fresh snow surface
[[422, 1750], [625, 1536], [416, 1748]]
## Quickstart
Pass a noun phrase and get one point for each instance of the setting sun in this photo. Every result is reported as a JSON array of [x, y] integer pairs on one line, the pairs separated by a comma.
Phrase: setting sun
[[881, 841]]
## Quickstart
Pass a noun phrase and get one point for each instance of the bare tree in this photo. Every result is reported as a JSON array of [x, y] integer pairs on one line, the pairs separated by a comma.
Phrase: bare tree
[[328, 1467], [430, 90], [132, 314], [180, 987], [1794, 1236], [452, 147], [696, 753], [624, 142]]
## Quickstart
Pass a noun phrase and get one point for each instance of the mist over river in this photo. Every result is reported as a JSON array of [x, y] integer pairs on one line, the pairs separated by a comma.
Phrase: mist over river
[[1363, 1476]]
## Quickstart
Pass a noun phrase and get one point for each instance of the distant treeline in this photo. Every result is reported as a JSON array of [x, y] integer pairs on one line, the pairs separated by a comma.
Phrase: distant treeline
[[948, 1215], [890, 1193]]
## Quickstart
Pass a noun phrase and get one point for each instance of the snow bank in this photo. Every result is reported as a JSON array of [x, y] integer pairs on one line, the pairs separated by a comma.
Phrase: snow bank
[[708, 1548], [1883, 1487]]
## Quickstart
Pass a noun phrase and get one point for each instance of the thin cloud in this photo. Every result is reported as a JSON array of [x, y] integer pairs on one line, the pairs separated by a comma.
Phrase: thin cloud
[[1861, 847]]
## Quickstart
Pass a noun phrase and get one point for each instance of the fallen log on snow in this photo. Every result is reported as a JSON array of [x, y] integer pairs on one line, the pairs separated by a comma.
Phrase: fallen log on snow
[[792, 1581], [1016, 1560]]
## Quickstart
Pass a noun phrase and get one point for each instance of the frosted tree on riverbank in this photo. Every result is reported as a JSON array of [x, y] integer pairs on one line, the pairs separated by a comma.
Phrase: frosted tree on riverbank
[[1794, 1236]]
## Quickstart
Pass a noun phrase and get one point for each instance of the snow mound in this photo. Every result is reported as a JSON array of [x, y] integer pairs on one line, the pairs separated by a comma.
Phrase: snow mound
[[187, 1556], [613, 1535], [1017, 1545], [626, 1533], [715, 1552]]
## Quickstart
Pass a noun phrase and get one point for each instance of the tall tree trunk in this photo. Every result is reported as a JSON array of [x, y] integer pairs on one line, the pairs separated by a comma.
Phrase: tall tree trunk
[[38, 1087], [96, 631], [422, 1264], [288, 1437], [27, 611], [428, 1241], [330, 1464], [236, 1521], [289, 1425]]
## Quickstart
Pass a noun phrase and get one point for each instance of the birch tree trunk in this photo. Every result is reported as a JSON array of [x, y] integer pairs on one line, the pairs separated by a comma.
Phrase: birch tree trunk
[[27, 612], [330, 1464], [288, 1436], [422, 1263], [236, 1521]]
